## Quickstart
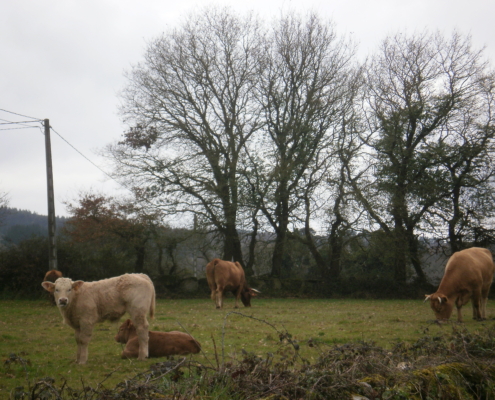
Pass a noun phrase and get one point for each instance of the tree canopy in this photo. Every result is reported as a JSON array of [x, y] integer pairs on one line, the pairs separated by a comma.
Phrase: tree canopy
[[247, 126]]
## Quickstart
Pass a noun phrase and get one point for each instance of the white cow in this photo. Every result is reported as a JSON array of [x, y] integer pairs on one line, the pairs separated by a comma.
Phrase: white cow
[[83, 304]]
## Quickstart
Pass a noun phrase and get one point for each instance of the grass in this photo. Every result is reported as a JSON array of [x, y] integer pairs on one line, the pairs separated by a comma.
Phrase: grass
[[45, 347]]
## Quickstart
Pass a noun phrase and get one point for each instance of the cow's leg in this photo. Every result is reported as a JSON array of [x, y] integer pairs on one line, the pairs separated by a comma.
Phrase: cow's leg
[[476, 299], [142, 330], [237, 297], [483, 308], [484, 299], [458, 304], [213, 289], [83, 336], [219, 297], [131, 349]]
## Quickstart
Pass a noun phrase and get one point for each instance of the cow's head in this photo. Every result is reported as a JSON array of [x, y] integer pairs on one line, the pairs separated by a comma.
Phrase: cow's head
[[63, 290], [246, 295], [441, 306], [52, 275], [125, 331]]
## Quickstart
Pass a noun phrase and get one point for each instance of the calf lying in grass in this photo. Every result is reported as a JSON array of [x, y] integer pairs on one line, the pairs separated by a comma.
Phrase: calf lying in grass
[[160, 344]]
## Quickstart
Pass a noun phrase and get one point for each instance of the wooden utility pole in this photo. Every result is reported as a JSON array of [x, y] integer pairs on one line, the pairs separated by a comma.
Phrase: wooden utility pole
[[52, 242]]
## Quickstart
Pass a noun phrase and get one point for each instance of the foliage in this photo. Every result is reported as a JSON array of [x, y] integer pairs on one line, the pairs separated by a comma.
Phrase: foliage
[[430, 130], [106, 222], [23, 267]]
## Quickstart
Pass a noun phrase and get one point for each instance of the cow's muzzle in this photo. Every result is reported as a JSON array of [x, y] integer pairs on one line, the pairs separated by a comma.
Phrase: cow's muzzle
[[63, 301]]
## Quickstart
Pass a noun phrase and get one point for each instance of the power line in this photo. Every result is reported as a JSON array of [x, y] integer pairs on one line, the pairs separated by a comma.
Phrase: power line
[[6, 122], [21, 115], [23, 127], [22, 123], [87, 159], [12, 123]]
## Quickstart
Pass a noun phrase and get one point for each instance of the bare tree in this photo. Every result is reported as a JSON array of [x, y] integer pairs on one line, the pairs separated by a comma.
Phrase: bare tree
[[191, 114], [467, 152], [303, 82], [326, 192], [417, 86]]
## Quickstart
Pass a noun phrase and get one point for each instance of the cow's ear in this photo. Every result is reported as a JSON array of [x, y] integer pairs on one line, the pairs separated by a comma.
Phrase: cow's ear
[[77, 284], [444, 298], [48, 286], [128, 323]]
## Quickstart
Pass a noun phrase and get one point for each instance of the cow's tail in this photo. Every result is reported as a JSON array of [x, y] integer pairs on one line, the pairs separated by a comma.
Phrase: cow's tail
[[153, 305]]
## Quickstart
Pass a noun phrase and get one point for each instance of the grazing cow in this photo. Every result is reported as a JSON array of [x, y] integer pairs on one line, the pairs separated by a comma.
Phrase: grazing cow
[[83, 304], [468, 276], [228, 276], [160, 344], [52, 276]]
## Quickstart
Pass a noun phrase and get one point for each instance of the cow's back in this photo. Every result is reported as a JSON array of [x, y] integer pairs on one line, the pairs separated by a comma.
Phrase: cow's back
[[109, 299], [226, 274], [467, 269]]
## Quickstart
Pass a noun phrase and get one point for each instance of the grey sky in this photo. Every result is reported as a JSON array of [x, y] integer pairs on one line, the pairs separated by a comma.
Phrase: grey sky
[[64, 60]]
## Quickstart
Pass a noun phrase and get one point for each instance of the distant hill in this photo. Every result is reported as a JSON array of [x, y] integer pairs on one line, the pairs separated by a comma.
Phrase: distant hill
[[17, 225]]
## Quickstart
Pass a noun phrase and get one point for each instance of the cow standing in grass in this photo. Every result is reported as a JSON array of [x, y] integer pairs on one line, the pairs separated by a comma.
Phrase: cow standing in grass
[[226, 276], [468, 276], [83, 304]]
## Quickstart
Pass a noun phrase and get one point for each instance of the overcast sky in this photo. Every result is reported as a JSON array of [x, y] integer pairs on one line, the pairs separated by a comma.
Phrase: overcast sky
[[64, 60]]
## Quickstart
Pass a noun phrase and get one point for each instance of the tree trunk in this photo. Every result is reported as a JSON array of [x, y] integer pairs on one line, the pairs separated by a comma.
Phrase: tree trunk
[[415, 260], [249, 270], [278, 255], [282, 213], [400, 251], [455, 240], [334, 265], [140, 253]]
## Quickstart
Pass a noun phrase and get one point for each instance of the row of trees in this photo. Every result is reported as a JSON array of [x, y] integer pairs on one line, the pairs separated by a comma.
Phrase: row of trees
[[245, 128]]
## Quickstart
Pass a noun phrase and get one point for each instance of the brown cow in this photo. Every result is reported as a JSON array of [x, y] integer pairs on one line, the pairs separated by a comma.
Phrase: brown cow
[[468, 276], [161, 344], [52, 276], [228, 276], [83, 304]]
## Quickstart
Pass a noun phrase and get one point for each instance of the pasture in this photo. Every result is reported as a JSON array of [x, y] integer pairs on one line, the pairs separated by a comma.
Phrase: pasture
[[34, 332]]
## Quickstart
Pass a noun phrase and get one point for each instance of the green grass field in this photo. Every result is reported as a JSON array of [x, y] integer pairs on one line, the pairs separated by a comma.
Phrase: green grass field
[[33, 330]]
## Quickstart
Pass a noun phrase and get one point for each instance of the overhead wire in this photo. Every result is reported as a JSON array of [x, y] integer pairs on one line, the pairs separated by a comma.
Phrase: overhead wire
[[12, 122], [22, 123], [21, 115], [37, 120], [13, 129], [87, 159]]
